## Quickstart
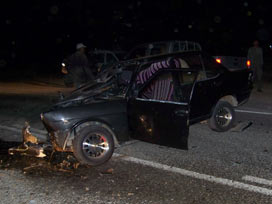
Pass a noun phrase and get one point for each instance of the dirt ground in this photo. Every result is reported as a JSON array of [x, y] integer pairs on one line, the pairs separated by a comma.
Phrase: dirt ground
[[32, 88]]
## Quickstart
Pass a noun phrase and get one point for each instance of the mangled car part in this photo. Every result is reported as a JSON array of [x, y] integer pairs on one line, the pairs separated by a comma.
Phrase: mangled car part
[[30, 145]]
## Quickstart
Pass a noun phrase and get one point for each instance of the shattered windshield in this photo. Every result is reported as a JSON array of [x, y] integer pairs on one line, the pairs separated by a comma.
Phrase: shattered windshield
[[107, 86], [119, 84], [110, 86]]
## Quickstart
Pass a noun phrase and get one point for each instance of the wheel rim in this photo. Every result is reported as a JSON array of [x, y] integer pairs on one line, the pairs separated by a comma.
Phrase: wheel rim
[[223, 117], [95, 145]]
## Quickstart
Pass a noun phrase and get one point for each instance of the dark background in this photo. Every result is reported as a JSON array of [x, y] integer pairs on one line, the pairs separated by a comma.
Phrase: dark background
[[40, 33]]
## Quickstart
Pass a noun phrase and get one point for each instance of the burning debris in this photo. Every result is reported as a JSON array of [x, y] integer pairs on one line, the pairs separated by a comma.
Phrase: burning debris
[[27, 150]]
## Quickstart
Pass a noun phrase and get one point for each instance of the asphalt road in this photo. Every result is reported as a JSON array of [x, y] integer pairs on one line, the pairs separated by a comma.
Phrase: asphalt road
[[230, 167]]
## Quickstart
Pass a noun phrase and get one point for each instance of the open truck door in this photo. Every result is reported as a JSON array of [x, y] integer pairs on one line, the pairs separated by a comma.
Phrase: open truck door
[[159, 113]]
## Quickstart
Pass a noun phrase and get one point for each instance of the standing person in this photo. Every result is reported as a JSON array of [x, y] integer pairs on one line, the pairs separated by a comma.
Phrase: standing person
[[79, 69], [255, 55]]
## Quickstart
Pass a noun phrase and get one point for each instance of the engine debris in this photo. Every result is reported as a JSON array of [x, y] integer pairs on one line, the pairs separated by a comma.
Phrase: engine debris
[[30, 146]]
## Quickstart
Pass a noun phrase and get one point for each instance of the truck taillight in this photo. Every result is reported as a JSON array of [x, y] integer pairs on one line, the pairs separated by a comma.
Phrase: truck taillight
[[218, 60], [248, 63]]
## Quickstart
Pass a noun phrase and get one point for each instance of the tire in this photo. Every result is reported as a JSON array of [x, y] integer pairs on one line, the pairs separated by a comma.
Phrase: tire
[[223, 117], [95, 135]]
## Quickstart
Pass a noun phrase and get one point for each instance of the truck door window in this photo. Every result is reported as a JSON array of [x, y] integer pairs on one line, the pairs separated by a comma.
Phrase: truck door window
[[160, 88], [195, 62], [192, 61], [186, 77], [185, 81]]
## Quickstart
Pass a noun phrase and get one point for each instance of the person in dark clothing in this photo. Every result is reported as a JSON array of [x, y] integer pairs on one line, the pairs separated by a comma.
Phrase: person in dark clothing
[[79, 69], [255, 55]]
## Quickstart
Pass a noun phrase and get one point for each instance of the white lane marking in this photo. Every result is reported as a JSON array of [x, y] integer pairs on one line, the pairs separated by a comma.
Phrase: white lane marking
[[19, 131], [257, 180], [254, 112], [130, 142], [33, 129], [196, 175], [10, 129]]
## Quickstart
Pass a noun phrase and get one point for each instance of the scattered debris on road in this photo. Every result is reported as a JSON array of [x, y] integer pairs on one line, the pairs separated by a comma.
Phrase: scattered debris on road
[[32, 155], [30, 145], [108, 171]]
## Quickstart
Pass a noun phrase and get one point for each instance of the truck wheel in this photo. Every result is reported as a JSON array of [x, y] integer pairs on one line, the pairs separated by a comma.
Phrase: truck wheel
[[223, 117], [93, 145]]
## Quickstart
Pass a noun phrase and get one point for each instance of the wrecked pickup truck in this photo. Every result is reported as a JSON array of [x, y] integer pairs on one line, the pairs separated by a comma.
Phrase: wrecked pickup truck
[[154, 101]]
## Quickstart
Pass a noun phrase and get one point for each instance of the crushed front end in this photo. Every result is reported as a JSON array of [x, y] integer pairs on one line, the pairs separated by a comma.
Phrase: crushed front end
[[58, 132]]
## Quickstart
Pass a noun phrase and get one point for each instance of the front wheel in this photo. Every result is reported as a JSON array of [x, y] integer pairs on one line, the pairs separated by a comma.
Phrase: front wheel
[[223, 117], [93, 145]]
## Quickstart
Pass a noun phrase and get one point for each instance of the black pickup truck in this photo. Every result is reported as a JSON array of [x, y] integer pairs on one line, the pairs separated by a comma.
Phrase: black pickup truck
[[153, 99]]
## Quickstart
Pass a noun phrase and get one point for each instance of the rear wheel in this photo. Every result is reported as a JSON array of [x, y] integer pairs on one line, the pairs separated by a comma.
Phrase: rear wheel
[[223, 117], [93, 145]]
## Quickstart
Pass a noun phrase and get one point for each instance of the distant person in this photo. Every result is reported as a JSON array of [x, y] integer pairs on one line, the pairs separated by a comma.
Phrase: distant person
[[255, 55], [79, 69]]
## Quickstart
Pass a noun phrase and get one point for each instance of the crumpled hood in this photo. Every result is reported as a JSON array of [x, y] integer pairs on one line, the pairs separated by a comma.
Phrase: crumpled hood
[[64, 118], [92, 92]]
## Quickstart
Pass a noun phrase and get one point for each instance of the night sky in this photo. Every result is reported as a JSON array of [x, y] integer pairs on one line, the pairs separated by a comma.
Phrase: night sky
[[42, 32]]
